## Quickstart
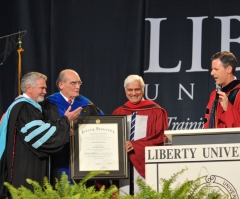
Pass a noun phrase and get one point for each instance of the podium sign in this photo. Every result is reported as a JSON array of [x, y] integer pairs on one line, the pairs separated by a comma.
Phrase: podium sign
[[219, 163], [212, 153]]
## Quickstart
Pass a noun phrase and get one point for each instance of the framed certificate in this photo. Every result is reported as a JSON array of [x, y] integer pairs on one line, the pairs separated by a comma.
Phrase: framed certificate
[[98, 144]]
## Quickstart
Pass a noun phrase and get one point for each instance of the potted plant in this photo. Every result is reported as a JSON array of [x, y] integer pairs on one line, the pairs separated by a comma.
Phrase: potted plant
[[64, 190]]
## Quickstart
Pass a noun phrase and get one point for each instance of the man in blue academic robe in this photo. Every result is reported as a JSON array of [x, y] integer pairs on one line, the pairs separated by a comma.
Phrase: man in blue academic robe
[[54, 106]]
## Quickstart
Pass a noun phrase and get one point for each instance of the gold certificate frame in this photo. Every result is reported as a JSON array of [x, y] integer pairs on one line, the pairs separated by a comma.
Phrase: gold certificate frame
[[98, 145]]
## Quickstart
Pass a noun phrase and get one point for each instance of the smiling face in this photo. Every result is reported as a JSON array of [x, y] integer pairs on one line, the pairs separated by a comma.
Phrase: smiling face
[[134, 92], [38, 92], [70, 87], [223, 76]]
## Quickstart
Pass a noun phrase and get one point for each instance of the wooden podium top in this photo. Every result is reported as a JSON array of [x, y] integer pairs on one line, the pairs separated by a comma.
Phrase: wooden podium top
[[172, 133]]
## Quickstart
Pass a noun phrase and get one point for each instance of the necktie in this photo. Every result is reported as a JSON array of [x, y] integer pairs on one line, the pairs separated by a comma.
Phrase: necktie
[[133, 125], [70, 101]]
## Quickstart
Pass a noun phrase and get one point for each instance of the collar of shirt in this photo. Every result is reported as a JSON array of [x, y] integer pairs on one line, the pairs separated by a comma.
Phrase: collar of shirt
[[25, 95], [66, 98]]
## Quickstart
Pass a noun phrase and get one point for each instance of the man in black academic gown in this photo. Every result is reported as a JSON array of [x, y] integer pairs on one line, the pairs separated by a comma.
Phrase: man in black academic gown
[[27, 139]]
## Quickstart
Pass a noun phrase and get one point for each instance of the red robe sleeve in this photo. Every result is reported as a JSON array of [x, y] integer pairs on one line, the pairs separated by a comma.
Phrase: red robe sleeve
[[208, 110], [224, 119], [231, 117]]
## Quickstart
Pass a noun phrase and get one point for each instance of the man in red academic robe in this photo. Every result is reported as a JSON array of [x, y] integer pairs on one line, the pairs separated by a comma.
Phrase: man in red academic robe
[[223, 109], [150, 123]]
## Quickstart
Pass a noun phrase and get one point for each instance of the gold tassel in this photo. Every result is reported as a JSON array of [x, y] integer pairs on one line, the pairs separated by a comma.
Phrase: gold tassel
[[20, 50]]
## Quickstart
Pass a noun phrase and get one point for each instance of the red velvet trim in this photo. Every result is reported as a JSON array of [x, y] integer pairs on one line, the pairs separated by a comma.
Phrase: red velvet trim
[[140, 104]]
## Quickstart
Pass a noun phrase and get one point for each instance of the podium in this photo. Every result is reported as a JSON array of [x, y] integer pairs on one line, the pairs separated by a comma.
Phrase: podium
[[204, 136], [212, 153]]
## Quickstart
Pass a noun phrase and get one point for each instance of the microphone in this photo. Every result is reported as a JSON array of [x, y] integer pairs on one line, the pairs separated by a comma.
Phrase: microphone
[[218, 88]]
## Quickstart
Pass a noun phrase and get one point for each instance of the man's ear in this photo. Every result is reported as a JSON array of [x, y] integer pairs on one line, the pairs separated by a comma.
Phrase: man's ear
[[229, 69], [28, 88], [60, 85]]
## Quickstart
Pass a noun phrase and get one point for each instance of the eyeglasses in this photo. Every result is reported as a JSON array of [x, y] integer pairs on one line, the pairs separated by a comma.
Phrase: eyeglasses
[[74, 84]]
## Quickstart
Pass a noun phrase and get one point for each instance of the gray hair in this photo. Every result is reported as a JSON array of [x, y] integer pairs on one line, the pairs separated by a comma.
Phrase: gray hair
[[31, 78], [132, 78]]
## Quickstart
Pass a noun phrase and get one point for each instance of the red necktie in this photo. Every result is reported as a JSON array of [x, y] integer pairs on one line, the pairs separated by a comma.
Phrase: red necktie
[[70, 101]]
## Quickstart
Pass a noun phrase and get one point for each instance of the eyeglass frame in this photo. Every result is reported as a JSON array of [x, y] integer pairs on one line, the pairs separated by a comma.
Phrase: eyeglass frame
[[74, 84]]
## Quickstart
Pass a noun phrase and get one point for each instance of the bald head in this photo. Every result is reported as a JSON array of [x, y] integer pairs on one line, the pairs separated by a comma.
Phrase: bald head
[[69, 82]]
